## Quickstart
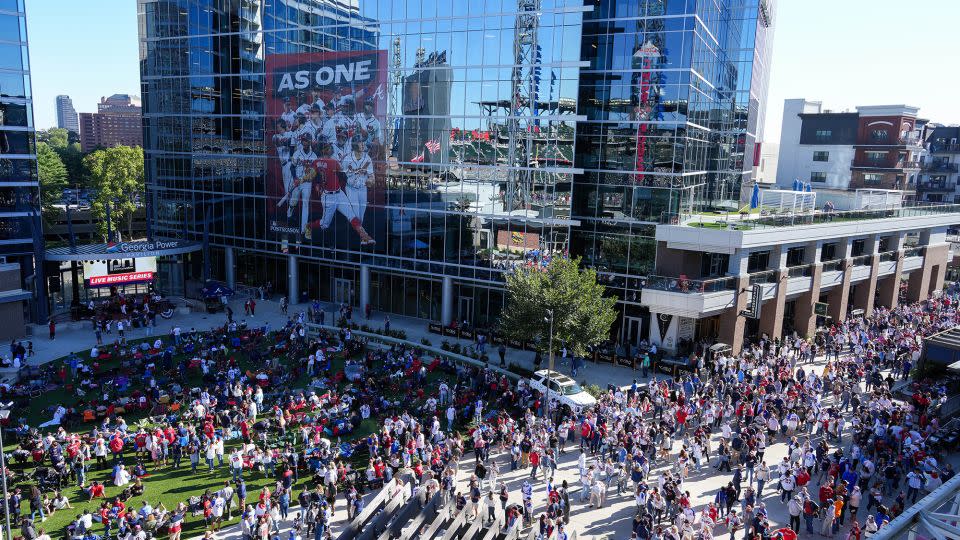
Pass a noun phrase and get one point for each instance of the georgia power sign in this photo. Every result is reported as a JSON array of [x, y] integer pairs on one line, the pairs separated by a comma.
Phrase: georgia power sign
[[142, 247]]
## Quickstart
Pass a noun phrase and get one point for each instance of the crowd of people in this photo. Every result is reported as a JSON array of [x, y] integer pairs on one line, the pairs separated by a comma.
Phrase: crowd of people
[[240, 403]]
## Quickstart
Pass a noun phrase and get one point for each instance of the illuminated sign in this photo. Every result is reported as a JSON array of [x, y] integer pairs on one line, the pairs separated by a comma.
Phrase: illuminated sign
[[120, 279]]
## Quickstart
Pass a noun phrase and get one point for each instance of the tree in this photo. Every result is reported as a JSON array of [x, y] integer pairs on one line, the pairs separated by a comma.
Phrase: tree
[[117, 175], [56, 137], [53, 177], [582, 315]]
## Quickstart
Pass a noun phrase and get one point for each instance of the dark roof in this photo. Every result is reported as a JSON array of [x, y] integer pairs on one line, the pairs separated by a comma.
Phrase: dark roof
[[948, 338]]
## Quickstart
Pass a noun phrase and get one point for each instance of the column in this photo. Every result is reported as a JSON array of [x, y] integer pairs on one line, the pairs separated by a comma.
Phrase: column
[[888, 288], [928, 277], [805, 318], [866, 291], [839, 296], [229, 267], [771, 314], [733, 324], [364, 286], [446, 301], [293, 280]]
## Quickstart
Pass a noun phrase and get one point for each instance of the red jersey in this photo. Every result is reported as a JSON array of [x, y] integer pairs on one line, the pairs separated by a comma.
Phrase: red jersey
[[328, 177]]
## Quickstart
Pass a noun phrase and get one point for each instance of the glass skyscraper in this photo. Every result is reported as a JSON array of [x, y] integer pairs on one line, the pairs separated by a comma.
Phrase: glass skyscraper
[[406, 154], [20, 235]]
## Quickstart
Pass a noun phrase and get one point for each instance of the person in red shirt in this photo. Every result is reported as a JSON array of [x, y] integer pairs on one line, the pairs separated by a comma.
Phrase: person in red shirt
[[116, 446], [332, 197], [95, 490]]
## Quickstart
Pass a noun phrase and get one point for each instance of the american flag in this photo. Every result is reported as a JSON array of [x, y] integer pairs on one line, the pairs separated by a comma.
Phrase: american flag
[[418, 158], [432, 146]]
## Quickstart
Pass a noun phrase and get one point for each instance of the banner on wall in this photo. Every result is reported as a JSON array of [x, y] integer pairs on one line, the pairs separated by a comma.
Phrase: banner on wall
[[325, 117]]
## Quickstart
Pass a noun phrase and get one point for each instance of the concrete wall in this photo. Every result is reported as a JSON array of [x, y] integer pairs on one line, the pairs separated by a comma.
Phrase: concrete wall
[[11, 321]]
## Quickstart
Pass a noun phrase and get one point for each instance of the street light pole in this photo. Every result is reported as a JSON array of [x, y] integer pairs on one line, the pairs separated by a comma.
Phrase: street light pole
[[549, 363], [4, 414]]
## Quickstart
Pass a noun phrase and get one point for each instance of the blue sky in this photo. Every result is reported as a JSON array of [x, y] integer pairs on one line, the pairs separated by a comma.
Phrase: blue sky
[[842, 52]]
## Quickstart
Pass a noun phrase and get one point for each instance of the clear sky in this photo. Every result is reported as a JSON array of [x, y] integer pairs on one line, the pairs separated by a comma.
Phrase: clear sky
[[842, 52], [866, 52], [85, 49]]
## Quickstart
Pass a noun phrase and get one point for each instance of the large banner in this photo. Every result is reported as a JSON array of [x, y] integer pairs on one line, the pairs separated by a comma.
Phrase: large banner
[[325, 137]]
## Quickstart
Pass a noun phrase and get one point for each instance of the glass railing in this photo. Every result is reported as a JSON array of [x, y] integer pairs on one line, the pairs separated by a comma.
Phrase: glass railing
[[863, 260], [830, 266], [888, 256], [690, 286], [768, 276], [800, 271], [913, 252], [747, 222]]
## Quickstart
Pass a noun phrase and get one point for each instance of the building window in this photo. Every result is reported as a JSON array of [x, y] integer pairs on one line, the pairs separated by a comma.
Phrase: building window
[[818, 177], [758, 261], [821, 155], [858, 247], [872, 178], [878, 135], [874, 155], [828, 252], [824, 134]]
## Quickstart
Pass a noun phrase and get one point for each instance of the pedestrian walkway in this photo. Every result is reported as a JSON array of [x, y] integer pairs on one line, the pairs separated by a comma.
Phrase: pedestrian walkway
[[79, 337]]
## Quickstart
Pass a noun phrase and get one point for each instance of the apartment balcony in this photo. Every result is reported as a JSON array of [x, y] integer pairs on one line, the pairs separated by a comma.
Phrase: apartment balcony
[[939, 148], [884, 164], [940, 166], [934, 186]]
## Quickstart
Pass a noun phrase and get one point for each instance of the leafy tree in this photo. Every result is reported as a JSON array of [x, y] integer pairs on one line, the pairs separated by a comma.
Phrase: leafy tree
[[582, 315], [53, 177], [72, 158], [55, 137], [117, 175]]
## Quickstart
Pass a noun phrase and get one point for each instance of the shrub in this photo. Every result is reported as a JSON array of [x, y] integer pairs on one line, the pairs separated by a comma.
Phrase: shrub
[[444, 345], [425, 342], [592, 389]]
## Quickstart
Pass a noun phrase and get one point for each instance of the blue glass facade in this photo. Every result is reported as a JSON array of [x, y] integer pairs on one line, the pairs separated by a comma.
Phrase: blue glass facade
[[505, 132], [19, 183]]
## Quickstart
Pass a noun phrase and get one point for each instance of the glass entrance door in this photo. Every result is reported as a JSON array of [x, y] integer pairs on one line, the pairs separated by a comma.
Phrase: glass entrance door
[[343, 291], [632, 330], [466, 309]]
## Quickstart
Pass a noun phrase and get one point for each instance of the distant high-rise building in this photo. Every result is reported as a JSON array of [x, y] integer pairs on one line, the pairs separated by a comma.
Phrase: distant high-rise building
[[67, 115], [117, 121]]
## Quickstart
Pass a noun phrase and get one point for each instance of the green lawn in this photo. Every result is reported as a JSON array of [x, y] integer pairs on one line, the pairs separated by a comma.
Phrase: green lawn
[[167, 485]]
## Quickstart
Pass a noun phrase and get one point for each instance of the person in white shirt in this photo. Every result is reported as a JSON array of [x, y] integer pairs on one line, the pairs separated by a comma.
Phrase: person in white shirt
[[359, 170], [369, 125]]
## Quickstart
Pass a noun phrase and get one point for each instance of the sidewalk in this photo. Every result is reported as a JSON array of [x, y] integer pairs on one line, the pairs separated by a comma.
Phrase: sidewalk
[[79, 337]]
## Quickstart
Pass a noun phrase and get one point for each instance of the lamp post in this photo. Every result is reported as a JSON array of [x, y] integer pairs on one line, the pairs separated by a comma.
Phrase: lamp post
[[549, 318], [4, 414]]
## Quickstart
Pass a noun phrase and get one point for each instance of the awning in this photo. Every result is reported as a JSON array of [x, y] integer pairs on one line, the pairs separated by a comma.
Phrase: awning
[[122, 250]]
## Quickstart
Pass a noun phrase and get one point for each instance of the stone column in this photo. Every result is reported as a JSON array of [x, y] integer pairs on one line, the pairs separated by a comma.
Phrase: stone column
[[888, 287], [293, 280], [732, 323], [364, 286], [229, 267], [929, 277], [866, 291], [446, 301], [771, 315], [805, 319], [838, 296]]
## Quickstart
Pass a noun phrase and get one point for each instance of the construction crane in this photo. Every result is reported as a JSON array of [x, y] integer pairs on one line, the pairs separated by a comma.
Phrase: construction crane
[[396, 84]]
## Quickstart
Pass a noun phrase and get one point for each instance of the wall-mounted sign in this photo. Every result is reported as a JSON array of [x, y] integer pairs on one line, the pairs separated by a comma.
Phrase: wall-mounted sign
[[120, 279]]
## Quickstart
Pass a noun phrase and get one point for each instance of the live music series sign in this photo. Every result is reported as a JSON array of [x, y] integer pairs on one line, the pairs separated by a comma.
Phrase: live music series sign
[[121, 279]]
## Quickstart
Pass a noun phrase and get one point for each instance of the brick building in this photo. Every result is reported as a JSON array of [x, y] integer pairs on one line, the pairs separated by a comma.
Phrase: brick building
[[117, 121]]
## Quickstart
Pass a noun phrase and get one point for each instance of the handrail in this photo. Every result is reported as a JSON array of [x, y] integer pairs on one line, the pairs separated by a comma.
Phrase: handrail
[[683, 284], [825, 217], [313, 327], [765, 276], [913, 252], [862, 260]]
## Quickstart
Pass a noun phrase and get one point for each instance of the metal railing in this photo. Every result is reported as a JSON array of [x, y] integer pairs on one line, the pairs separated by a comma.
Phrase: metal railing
[[831, 266], [682, 284], [766, 276], [939, 166], [945, 147], [936, 186], [821, 217], [862, 260], [913, 252]]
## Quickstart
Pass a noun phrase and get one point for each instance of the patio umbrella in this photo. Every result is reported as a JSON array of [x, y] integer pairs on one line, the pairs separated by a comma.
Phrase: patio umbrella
[[755, 198], [215, 289]]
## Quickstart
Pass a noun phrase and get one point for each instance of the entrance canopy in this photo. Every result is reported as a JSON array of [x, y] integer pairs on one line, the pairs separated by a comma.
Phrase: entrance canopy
[[122, 250]]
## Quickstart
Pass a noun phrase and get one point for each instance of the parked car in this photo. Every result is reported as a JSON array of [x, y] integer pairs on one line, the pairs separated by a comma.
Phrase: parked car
[[562, 390]]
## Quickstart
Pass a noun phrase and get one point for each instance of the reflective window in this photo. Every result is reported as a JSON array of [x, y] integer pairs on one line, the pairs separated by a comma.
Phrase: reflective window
[[10, 28], [16, 114], [13, 84]]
